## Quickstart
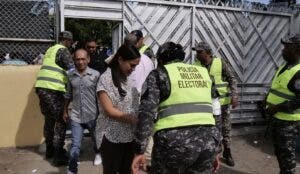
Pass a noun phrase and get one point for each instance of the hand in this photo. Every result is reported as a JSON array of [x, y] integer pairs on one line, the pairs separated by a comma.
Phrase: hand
[[216, 164], [272, 109], [139, 162], [234, 102], [66, 116]]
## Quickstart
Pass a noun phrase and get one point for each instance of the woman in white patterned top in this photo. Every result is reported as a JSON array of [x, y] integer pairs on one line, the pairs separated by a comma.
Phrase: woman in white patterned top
[[118, 105]]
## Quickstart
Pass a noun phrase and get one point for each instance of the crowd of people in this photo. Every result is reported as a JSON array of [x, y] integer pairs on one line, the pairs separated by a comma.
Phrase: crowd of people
[[153, 112]]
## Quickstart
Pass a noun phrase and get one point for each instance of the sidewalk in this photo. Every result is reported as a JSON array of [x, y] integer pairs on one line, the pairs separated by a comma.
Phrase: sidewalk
[[252, 154]]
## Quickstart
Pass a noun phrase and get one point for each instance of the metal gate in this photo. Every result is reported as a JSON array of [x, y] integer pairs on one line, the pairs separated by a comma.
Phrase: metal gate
[[27, 29], [248, 40]]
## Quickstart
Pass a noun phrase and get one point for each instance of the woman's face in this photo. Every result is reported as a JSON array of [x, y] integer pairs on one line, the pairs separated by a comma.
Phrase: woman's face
[[128, 66]]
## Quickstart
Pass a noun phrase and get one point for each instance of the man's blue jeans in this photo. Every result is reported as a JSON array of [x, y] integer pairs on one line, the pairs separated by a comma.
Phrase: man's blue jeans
[[77, 134]]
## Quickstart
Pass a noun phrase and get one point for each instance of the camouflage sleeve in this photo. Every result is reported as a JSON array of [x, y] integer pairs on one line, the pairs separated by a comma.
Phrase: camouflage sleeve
[[157, 88], [68, 94], [148, 52], [228, 76], [64, 59]]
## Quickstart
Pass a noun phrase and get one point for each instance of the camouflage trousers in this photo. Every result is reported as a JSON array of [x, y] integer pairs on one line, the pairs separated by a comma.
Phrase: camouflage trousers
[[185, 153], [51, 104], [226, 126], [219, 127], [284, 134]]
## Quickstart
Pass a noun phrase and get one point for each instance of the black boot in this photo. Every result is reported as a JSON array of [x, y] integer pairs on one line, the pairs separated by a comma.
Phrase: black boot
[[60, 158], [49, 151], [227, 156]]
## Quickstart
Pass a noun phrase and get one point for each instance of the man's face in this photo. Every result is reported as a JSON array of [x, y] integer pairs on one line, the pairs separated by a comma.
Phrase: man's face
[[68, 43], [91, 47], [81, 60], [203, 56]]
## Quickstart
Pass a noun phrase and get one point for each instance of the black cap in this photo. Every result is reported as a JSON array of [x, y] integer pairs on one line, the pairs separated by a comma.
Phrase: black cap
[[202, 46], [294, 39], [65, 35], [137, 33]]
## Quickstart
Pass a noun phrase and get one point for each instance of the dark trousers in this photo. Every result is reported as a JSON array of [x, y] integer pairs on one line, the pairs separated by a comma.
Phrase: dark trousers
[[284, 134], [226, 126], [116, 157], [219, 127], [51, 104], [191, 154]]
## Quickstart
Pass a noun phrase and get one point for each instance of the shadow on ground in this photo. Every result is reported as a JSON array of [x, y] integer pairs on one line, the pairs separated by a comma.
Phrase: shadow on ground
[[229, 170]]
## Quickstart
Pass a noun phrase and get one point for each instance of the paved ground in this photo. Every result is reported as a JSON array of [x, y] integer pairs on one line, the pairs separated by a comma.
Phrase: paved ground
[[252, 153]]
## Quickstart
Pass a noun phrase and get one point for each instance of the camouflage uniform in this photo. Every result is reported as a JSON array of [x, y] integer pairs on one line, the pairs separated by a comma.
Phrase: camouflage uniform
[[284, 133], [284, 140], [226, 126], [190, 149], [148, 52], [52, 103], [227, 76]]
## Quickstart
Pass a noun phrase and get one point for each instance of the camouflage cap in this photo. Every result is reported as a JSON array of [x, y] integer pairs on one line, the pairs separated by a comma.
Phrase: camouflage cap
[[66, 35], [202, 46], [294, 39]]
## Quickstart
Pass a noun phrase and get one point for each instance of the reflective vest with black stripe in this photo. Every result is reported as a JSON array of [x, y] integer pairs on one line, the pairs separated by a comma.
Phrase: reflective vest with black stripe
[[51, 76], [189, 102], [279, 92], [222, 86], [143, 49]]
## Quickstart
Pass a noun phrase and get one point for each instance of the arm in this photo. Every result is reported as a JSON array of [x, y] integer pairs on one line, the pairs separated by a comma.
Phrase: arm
[[66, 113], [113, 112], [291, 105], [157, 88], [64, 59], [228, 76], [147, 114], [68, 97]]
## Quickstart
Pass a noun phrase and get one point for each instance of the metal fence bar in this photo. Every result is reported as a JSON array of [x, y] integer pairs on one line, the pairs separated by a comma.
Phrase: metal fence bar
[[138, 18], [28, 29], [26, 40]]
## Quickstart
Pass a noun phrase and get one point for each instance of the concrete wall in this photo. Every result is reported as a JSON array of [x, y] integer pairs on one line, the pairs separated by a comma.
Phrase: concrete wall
[[21, 122]]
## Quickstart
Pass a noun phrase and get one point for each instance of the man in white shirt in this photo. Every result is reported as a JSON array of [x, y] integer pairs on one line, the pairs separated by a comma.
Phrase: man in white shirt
[[139, 75]]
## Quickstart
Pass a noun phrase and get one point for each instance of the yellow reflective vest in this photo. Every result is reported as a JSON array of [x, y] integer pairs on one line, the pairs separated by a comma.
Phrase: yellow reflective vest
[[222, 86], [143, 49], [189, 102], [279, 92], [51, 76]]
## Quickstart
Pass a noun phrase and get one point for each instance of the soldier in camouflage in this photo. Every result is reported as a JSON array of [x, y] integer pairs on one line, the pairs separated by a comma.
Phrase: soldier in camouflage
[[176, 150], [283, 105], [205, 58], [52, 100]]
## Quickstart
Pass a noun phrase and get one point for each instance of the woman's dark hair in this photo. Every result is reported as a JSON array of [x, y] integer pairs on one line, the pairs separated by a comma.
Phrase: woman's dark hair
[[170, 51], [127, 52]]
